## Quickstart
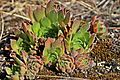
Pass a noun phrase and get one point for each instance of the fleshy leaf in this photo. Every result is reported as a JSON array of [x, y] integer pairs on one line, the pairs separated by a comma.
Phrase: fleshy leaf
[[84, 26], [48, 43], [67, 18], [14, 46], [87, 37], [31, 37], [60, 16], [20, 34], [24, 55], [46, 22], [50, 7], [101, 27], [75, 26], [39, 13], [53, 16], [19, 62], [91, 40], [30, 13], [36, 28], [8, 70], [19, 41]]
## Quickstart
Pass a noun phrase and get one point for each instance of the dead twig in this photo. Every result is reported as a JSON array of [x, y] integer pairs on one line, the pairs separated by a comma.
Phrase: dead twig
[[103, 1], [16, 15], [96, 11], [69, 8], [2, 30], [106, 4], [60, 77]]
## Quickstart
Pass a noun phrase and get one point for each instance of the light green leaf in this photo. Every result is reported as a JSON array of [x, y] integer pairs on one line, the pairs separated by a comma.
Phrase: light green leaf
[[14, 46], [8, 70], [46, 22], [36, 28], [19, 41]]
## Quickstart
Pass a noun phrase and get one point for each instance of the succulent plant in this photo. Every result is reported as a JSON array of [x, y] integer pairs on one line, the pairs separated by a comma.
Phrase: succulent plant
[[23, 65], [53, 50], [82, 39], [53, 34], [98, 26], [34, 65], [65, 64], [83, 62], [68, 63]]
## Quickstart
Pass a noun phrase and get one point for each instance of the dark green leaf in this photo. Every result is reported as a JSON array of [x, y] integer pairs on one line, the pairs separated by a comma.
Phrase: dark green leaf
[[60, 16], [87, 37], [31, 37]]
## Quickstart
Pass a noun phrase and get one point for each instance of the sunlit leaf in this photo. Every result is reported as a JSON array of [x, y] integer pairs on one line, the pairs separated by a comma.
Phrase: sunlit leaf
[[14, 46], [46, 22], [8, 70], [19, 41], [36, 28]]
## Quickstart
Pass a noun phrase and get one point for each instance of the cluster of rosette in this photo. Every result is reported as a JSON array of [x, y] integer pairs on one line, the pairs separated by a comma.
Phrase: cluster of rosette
[[54, 37]]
